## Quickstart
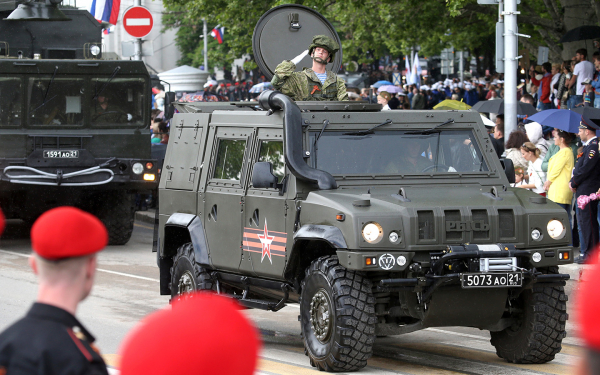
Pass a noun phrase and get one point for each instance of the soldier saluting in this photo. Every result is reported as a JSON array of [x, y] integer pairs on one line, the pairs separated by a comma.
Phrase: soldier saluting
[[49, 339], [317, 83]]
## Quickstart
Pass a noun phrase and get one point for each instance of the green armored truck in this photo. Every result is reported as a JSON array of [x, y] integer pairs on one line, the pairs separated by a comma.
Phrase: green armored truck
[[74, 127], [375, 222]]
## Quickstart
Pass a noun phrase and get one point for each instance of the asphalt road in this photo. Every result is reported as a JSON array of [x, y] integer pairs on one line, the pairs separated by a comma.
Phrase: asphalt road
[[126, 290]]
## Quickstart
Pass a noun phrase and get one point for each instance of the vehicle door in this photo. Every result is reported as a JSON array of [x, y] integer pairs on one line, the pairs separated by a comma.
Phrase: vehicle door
[[224, 195], [264, 236]]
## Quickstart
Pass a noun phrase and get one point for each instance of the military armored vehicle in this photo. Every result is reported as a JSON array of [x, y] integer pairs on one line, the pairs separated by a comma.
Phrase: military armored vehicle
[[375, 222], [74, 128]]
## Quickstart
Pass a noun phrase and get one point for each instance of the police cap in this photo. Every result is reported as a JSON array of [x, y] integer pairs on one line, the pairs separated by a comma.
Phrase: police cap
[[588, 124], [325, 42], [202, 333], [67, 232]]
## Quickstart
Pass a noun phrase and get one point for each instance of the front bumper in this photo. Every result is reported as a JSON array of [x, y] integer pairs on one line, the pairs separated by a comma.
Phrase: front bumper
[[399, 261]]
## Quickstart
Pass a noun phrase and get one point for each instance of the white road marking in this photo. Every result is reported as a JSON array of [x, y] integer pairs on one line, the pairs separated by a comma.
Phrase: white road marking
[[99, 269], [458, 334]]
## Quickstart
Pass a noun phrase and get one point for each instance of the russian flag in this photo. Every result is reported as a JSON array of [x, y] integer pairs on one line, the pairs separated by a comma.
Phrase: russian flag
[[106, 10], [216, 33]]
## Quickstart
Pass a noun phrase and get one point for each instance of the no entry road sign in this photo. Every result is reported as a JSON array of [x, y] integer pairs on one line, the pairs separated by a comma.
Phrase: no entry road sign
[[138, 22]]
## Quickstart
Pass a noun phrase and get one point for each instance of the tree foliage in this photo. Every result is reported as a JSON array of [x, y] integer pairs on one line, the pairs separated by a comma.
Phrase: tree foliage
[[370, 29]]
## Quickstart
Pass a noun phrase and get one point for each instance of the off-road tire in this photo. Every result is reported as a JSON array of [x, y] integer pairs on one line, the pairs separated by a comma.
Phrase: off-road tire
[[185, 266], [350, 342], [117, 214], [537, 334]]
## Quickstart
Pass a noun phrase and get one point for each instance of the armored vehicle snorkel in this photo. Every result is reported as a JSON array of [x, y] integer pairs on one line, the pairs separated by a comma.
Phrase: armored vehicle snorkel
[[74, 127], [375, 222]]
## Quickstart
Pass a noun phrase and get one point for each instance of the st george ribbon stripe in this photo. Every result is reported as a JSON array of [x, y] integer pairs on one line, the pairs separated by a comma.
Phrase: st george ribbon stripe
[[137, 21]]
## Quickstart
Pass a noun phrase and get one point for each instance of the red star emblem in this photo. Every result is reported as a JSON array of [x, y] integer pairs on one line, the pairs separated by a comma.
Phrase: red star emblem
[[266, 240]]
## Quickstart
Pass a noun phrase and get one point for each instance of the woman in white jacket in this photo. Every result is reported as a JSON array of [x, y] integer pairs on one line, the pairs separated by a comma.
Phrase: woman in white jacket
[[536, 136]]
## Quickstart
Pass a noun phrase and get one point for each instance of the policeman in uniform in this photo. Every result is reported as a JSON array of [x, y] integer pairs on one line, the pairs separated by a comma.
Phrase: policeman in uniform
[[202, 333], [585, 181], [316, 83], [49, 339]]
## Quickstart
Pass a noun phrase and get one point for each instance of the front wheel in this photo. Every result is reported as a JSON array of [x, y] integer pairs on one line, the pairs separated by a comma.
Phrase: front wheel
[[539, 327], [186, 275], [337, 316], [118, 215]]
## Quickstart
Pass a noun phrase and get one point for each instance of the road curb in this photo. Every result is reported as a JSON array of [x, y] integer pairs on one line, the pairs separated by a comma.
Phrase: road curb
[[145, 216], [574, 270]]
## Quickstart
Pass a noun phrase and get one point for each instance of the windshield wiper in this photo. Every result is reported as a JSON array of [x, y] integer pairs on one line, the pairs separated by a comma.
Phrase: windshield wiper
[[107, 82], [47, 91], [325, 123], [370, 130], [432, 130]]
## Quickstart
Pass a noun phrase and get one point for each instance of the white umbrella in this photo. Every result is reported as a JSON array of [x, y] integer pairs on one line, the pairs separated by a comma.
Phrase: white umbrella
[[390, 88], [210, 82], [487, 122], [258, 88]]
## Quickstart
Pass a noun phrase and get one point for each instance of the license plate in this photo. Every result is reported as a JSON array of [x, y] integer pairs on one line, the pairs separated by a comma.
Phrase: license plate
[[491, 280], [61, 154]]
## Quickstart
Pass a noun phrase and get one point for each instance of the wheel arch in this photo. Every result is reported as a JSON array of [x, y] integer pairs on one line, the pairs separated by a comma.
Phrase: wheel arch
[[310, 243], [183, 228]]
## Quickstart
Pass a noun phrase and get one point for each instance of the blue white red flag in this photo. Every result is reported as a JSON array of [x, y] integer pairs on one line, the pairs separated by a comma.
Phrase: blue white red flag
[[217, 33], [106, 10]]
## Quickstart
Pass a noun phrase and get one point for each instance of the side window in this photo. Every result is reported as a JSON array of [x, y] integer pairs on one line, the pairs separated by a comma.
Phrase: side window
[[272, 151], [230, 159]]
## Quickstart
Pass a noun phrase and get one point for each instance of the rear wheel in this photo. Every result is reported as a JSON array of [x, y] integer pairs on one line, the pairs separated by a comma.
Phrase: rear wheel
[[186, 275], [539, 327], [337, 316]]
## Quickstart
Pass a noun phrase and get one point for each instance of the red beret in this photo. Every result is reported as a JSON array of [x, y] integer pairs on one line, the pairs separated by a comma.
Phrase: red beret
[[229, 84], [66, 232], [588, 304], [203, 333], [1, 222]]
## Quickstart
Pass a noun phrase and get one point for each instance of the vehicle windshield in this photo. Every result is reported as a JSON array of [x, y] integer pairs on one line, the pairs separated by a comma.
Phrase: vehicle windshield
[[118, 101], [10, 106], [55, 101], [393, 152]]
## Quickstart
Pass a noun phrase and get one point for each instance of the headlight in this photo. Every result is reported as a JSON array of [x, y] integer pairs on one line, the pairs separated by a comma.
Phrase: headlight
[[95, 50], [372, 232], [536, 257], [394, 237], [556, 229], [137, 168], [536, 235], [401, 260]]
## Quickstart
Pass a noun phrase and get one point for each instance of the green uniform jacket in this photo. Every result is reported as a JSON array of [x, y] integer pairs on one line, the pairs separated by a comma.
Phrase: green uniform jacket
[[305, 85]]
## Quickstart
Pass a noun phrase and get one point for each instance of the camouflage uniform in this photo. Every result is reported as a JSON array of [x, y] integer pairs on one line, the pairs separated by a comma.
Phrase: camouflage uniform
[[305, 85]]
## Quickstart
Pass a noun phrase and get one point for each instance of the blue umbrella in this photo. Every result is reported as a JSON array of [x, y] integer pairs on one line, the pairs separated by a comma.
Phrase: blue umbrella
[[381, 83], [562, 119]]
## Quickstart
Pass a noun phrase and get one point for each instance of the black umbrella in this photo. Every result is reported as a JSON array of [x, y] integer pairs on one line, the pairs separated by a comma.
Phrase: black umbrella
[[497, 106], [589, 112], [581, 33]]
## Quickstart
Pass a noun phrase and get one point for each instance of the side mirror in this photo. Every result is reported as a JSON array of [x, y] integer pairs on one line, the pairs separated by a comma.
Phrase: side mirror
[[169, 109], [509, 169], [263, 177]]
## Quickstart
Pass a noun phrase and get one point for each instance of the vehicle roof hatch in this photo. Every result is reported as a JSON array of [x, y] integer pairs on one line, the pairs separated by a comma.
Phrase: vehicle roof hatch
[[284, 32]]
